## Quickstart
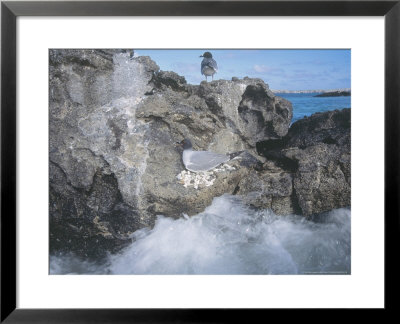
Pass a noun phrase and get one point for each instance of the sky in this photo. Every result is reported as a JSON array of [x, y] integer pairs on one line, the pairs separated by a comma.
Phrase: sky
[[281, 69]]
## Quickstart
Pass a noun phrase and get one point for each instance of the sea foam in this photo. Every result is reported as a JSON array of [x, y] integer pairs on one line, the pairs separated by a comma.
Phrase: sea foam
[[230, 238]]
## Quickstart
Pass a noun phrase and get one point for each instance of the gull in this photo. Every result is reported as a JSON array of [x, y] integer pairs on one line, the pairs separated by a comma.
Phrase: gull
[[201, 161], [208, 65]]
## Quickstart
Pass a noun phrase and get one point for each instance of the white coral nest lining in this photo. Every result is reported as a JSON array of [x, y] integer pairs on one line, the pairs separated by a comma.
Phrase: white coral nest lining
[[203, 179]]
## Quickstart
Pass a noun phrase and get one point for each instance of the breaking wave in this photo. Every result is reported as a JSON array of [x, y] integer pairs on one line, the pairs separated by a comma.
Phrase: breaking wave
[[229, 238]]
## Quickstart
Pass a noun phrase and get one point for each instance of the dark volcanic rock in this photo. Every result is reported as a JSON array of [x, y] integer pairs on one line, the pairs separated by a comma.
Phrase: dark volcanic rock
[[171, 80], [247, 108], [331, 127], [90, 223], [321, 145], [335, 94], [317, 150], [270, 188]]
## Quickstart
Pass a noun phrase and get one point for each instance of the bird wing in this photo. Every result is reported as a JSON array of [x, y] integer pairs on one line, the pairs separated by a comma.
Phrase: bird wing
[[204, 160], [213, 64], [209, 62]]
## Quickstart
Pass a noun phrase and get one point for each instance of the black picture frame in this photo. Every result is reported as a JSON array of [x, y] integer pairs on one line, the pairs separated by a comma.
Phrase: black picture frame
[[11, 10]]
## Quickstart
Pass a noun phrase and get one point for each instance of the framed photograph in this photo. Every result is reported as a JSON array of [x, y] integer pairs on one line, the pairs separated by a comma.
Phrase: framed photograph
[[152, 174]]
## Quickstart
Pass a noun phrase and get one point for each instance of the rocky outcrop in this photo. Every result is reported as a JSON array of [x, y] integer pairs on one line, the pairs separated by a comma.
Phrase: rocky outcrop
[[335, 94], [114, 166], [317, 151]]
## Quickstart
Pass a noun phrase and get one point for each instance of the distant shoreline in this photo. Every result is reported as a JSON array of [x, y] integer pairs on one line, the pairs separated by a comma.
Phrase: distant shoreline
[[335, 94], [312, 91]]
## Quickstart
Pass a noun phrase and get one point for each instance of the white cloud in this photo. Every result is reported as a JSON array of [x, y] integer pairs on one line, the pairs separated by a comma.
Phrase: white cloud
[[261, 68]]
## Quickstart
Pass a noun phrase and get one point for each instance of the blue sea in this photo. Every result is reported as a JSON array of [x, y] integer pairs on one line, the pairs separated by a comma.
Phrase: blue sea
[[305, 104]]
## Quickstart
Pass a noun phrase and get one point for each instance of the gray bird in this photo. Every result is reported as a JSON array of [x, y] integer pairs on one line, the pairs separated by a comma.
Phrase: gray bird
[[201, 161], [208, 65]]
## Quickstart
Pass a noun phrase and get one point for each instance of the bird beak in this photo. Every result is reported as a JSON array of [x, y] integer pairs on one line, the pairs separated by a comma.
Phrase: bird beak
[[201, 56], [180, 144]]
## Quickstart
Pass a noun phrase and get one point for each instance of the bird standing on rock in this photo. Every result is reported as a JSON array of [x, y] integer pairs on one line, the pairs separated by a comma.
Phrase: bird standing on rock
[[201, 161], [208, 65]]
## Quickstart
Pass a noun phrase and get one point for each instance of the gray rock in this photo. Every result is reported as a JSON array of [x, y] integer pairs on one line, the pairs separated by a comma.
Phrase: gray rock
[[317, 150], [331, 127], [247, 108], [169, 79], [88, 223], [273, 189]]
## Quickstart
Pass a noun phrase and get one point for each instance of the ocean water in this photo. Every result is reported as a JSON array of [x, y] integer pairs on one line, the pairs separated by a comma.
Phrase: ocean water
[[229, 238], [305, 104]]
